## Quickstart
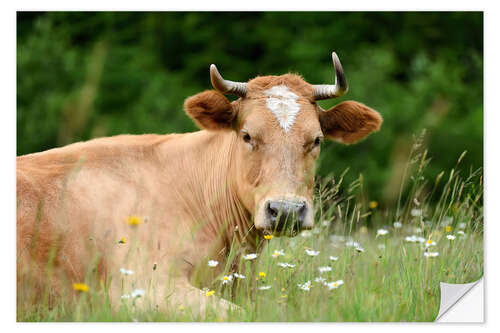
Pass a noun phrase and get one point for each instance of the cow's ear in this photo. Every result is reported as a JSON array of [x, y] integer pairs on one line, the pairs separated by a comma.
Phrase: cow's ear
[[210, 110], [349, 122]]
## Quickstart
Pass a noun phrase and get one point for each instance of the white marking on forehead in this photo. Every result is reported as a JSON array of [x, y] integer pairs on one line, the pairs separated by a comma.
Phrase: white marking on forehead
[[283, 103]]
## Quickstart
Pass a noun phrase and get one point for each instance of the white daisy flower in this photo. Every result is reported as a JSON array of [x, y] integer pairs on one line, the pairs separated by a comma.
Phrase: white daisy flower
[[264, 287], [461, 233], [312, 253], [360, 249], [461, 225], [126, 296], [285, 265], [227, 279], [352, 243], [416, 212], [415, 239], [250, 256], [306, 233], [305, 286], [126, 271], [411, 239], [324, 269], [137, 293], [277, 253], [212, 263], [450, 237], [431, 254], [239, 276], [320, 279], [398, 225], [382, 232], [332, 258], [334, 284]]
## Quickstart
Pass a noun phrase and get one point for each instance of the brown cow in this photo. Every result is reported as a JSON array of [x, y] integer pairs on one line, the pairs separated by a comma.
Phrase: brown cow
[[187, 197]]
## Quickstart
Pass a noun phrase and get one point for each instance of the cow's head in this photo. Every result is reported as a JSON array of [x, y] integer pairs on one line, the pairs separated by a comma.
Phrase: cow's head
[[278, 129]]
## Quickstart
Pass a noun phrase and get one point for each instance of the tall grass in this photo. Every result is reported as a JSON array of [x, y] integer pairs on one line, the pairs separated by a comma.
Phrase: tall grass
[[386, 274]]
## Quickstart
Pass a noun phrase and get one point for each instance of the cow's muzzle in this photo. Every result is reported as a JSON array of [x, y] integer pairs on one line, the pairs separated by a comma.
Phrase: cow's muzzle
[[286, 214]]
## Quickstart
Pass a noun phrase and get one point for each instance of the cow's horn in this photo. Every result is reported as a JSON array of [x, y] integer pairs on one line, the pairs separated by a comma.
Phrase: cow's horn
[[326, 91], [226, 86]]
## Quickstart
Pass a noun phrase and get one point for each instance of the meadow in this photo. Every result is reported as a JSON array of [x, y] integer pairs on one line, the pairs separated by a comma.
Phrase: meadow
[[361, 261], [383, 239]]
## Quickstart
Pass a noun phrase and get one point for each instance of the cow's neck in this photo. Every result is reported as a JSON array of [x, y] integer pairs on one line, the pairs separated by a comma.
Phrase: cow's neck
[[207, 191]]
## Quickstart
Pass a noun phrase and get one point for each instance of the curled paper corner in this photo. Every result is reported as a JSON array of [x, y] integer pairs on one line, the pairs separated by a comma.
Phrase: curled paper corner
[[454, 302]]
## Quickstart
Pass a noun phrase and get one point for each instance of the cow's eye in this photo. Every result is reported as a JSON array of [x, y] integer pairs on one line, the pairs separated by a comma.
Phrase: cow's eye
[[247, 138], [313, 146]]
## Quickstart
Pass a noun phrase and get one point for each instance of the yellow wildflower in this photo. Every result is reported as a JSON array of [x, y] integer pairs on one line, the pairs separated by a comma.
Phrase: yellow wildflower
[[430, 242], [122, 240], [373, 204], [227, 279], [134, 220], [210, 293], [268, 237], [448, 228], [181, 308], [262, 274], [81, 287]]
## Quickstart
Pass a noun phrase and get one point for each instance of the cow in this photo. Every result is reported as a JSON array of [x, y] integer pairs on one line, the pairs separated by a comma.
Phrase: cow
[[163, 206]]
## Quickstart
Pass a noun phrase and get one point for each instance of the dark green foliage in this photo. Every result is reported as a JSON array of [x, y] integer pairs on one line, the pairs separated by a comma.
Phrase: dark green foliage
[[81, 75]]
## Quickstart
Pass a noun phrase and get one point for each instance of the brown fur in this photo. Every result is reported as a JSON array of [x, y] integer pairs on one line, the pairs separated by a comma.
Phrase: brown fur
[[196, 192], [210, 110], [294, 82], [349, 122]]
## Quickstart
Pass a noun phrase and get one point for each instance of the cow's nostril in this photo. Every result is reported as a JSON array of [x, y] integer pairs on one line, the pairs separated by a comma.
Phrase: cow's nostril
[[273, 209], [301, 213], [281, 213]]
